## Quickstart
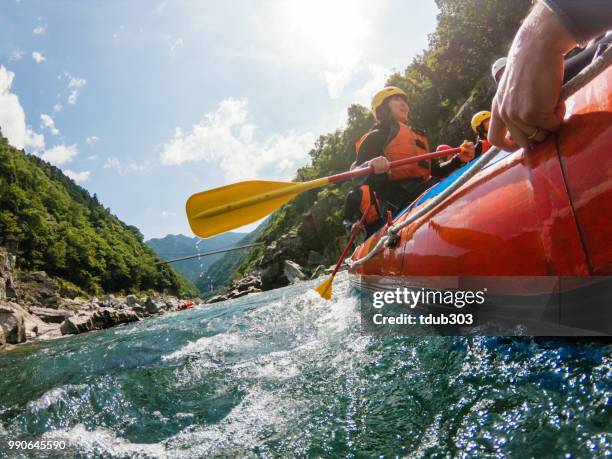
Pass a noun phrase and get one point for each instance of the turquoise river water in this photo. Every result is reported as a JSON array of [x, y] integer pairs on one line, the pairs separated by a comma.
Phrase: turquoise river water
[[284, 374]]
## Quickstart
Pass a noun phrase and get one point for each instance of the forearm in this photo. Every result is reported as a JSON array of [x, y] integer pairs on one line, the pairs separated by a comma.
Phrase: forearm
[[583, 19]]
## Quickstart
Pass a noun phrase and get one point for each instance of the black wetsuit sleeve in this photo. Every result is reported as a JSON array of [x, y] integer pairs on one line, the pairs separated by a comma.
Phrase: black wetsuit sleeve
[[584, 19], [372, 146], [442, 169]]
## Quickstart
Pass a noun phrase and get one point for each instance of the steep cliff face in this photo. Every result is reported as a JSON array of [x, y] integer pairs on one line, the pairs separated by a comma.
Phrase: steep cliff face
[[7, 282]]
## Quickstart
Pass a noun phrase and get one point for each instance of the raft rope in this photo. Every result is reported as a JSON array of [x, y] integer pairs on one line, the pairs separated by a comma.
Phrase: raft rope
[[570, 88]]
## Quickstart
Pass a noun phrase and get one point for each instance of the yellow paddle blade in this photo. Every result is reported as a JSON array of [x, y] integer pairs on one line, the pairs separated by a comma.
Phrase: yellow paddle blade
[[221, 209], [325, 289]]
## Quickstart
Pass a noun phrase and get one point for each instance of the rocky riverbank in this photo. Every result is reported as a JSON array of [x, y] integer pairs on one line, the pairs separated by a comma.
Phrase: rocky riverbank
[[32, 308]]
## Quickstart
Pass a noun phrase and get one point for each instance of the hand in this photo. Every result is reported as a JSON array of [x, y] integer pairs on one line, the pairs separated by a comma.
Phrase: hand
[[356, 229], [380, 164], [467, 151], [526, 106]]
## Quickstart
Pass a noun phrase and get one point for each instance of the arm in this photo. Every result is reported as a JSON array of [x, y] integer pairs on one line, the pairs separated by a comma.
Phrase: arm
[[584, 19], [526, 106], [371, 151]]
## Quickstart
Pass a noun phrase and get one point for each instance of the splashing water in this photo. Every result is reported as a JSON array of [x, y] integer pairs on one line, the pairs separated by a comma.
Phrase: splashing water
[[283, 373]]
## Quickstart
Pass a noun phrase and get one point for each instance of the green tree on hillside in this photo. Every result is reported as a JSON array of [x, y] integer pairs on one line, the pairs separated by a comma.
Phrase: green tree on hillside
[[64, 231]]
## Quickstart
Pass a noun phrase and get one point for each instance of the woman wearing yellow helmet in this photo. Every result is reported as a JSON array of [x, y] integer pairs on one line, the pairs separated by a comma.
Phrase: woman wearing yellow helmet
[[480, 126], [392, 139]]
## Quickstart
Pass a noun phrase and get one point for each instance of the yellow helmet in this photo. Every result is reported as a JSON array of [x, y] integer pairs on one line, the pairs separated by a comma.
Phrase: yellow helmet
[[383, 94], [479, 118]]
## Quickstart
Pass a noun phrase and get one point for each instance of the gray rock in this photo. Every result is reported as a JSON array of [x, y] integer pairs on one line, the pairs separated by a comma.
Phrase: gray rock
[[131, 300], [217, 299], [293, 272], [7, 286], [152, 306], [77, 324], [55, 316], [12, 323]]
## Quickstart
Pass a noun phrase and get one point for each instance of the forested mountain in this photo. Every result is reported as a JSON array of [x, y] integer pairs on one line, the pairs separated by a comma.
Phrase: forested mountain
[[64, 231], [455, 67], [176, 246]]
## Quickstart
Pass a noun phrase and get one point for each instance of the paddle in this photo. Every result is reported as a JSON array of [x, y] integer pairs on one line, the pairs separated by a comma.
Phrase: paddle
[[222, 209], [325, 289]]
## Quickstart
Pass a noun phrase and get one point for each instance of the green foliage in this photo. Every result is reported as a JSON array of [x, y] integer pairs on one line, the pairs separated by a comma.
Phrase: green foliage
[[64, 231], [469, 36]]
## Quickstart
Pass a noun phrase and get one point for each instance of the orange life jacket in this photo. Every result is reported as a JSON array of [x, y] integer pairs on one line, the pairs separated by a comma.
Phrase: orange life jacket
[[405, 144], [485, 145], [366, 205]]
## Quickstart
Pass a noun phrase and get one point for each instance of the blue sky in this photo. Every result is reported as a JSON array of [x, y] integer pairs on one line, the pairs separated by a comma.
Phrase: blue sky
[[147, 102]]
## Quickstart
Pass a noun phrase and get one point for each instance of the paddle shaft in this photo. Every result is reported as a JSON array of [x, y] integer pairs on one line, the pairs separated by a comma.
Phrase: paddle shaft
[[350, 243], [400, 162], [294, 188]]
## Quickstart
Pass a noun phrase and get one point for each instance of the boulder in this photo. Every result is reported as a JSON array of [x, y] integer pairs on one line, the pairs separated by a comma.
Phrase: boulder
[[217, 299], [108, 317], [77, 324], [131, 300], [293, 272], [54, 316], [12, 323], [153, 306]]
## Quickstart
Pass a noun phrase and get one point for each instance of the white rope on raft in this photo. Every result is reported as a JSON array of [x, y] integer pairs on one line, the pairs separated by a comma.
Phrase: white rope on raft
[[570, 88]]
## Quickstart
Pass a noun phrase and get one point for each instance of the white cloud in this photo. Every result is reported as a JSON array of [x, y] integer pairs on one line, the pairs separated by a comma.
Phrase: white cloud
[[48, 122], [39, 30], [60, 154], [75, 85], [160, 7], [168, 214], [57, 108], [12, 117], [174, 44], [114, 163], [16, 55], [38, 57], [78, 177], [92, 140], [92, 157], [377, 79], [225, 137]]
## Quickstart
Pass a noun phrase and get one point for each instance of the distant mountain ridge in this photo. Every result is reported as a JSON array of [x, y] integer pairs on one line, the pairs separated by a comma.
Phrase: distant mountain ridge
[[178, 245]]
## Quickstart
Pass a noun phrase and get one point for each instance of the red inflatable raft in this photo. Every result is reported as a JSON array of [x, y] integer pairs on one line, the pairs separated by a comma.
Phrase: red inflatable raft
[[546, 212]]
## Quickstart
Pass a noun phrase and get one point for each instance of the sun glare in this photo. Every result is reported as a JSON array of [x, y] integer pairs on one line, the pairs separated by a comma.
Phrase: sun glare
[[334, 28]]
